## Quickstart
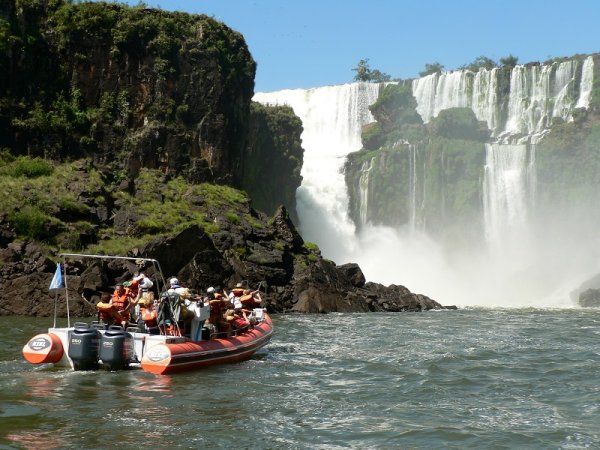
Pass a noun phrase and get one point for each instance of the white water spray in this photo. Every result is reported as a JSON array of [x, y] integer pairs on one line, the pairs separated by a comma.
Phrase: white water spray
[[519, 265]]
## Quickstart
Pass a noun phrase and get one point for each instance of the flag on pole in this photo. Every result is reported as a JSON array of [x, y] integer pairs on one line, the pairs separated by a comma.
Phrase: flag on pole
[[57, 280]]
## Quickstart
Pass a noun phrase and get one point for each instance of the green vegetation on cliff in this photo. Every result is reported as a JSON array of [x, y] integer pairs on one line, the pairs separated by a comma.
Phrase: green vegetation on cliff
[[132, 88], [428, 183], [73, 206], [428, 175], [112, 82], [568, 166]]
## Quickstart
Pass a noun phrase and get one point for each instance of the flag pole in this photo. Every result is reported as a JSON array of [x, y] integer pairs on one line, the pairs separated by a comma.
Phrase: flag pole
[[66, 292], [58, 282], [55, 303]]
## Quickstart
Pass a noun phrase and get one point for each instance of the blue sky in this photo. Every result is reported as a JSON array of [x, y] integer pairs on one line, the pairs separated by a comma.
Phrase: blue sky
[[312, 43]]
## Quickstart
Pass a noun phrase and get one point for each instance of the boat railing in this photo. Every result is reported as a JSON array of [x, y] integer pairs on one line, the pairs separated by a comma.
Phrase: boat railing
[[62, 279]]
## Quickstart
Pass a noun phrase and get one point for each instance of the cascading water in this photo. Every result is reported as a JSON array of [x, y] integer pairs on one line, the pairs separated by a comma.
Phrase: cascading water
[[413, 178], [515, 266], [364, 190], [505, 196], [537, 95], [332, 118]]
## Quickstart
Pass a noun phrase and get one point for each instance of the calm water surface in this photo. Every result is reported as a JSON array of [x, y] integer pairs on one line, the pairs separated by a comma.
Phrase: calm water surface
[[473, 378]]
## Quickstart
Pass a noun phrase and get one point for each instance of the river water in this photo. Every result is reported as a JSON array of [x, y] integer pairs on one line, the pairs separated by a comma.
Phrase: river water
[[472, 378]]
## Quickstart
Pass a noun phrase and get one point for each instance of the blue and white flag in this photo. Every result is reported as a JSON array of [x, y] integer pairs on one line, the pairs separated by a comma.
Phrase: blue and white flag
[[57, 280]]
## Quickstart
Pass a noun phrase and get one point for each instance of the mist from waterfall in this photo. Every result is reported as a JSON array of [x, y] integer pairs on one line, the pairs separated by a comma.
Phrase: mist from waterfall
[[527, 262]]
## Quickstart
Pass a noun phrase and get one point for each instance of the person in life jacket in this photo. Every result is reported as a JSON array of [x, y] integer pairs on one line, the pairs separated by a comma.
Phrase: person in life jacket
[[238, 320], [121, 300], [106, 312], [216, 308], [149, 313], [199, 308], [138, 286], [235, 296], [181, 295]]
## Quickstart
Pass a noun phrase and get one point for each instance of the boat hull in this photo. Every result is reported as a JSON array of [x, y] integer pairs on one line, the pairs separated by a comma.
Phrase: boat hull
[[165, 358], [156, 353]]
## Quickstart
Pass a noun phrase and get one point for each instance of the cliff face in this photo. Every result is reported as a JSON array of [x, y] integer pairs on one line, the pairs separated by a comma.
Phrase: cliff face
[[206, 235], [136, 87], [140, 87], [149, 114]]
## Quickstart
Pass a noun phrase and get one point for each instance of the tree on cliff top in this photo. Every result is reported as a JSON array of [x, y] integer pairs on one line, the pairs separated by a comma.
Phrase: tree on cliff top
[[365, 73], [431, 68]]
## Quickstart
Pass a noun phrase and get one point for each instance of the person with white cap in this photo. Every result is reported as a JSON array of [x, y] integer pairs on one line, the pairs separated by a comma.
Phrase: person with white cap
[[143, 284]]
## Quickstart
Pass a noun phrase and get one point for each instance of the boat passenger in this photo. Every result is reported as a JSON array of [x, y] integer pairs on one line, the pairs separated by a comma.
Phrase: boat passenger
[[210, 293], [224, 324], [235, 296], [210, 326], [121, 300], [238, 320], [149, 313], [199, 309], [138, 286], [106, 312], [172, 306]]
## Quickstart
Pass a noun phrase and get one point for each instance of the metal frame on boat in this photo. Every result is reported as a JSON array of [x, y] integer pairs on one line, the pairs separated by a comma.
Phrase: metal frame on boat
[[86, 346]]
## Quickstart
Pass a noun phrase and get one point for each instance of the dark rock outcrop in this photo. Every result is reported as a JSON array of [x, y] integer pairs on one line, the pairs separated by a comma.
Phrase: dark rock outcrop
[[590, 298], [294, 278]]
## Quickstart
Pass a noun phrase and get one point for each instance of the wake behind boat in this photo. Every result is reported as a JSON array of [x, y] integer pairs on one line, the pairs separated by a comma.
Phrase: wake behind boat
[[179, 331]]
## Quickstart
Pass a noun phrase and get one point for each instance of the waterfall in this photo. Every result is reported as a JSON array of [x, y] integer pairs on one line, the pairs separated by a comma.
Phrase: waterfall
[[537, 94], [363, 185], [505, 194], [587, 79], [332, 117], [412, 179], [521, 262], [461, 89]]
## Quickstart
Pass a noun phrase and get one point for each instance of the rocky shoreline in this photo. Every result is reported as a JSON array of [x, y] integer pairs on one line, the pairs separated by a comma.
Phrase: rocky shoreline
[[292, 283]]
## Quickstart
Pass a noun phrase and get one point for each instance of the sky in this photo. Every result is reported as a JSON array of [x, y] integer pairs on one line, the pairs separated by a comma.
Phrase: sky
[[314, 43]]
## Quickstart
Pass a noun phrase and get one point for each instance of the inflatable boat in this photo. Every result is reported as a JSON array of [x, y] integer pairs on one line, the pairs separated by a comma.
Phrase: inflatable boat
[[95, 345]]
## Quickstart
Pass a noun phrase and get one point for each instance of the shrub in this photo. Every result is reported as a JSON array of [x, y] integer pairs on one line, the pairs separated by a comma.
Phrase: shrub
[[233, 217], [29, 222], [311, 246], [27, 167]]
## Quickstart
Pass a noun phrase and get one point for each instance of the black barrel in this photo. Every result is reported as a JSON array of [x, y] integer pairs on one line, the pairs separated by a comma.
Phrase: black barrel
[[83, 346], [115, 348]]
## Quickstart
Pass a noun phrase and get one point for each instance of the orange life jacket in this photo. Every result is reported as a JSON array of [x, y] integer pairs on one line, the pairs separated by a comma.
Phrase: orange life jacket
[[120, 301], [149, 316], [238, 292]]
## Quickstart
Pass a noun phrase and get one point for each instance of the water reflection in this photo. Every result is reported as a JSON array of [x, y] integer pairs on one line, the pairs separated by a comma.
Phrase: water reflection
[[154, 383], [37, 440], [43, 385]]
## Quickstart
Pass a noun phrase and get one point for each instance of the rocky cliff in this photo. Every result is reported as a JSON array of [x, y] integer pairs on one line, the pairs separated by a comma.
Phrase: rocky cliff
[[126, 131], [214, 238], [133, 87]]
